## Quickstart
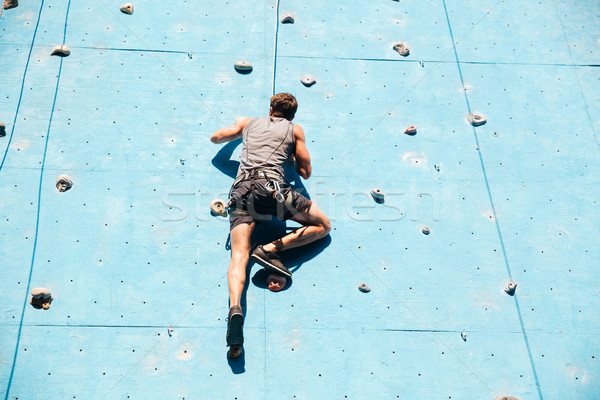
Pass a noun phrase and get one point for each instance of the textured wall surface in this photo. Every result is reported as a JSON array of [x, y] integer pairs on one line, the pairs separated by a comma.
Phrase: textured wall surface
[[137, 266]]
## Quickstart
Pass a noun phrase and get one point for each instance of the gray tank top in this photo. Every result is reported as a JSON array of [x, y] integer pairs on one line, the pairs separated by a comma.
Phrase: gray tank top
[[268, 143]]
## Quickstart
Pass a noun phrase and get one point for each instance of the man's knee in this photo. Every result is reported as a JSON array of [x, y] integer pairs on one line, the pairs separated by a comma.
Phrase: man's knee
[[326, 225]]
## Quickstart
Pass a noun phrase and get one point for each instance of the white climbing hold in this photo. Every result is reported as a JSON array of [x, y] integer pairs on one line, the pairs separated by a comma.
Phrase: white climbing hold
[[127, 8], [64, 183], [2, 129], [477, 119], [217, 207], [61, 50], [41, 297], [8, 4], [463, 336], [411, 130], [510, 288], [425, 230], [378, 195], [287, 19], [401, 48], [363, 287], [243, 67], [308, 81]]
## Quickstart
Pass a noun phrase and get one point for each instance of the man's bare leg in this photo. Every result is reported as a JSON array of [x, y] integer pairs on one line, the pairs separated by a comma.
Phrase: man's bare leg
[[236, 278], [316, 226], [240, 252]]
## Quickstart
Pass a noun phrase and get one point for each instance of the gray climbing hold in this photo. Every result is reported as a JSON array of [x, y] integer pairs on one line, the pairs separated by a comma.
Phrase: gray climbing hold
[[217, 207], [425, 231], [510, 288], [401, 48], [308, 81], [378, 195], [8, 4], [287, 19], [463, 336], [41, 298], [61, 50], [477, 119], [2, 129], [411, 130], [363, 287], [127, 8], [64, 183], [243, 67], [506, 397]]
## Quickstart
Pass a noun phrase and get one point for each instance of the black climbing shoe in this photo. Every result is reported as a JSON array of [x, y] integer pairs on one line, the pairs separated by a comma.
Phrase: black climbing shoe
[[270, 261], [235, 332]]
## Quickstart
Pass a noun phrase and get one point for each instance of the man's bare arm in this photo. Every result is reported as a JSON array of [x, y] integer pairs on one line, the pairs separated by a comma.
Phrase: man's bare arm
[[303, 167], [230, 133]]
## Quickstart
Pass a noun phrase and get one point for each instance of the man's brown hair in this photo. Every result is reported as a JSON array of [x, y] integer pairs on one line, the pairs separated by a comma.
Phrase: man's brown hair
[[284, 105]]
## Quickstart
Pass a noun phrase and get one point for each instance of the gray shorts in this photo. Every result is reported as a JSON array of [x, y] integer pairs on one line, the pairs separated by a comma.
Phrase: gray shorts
[[247, 206]]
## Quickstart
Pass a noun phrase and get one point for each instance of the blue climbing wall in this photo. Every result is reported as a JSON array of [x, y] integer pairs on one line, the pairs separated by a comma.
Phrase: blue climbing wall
[[137, 266]]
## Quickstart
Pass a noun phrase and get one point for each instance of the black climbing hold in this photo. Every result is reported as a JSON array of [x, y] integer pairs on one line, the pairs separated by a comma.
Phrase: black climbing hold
[[287, 19], [64, 183], [308, 81], [463, 336], [243, 67], [41, 298], [217, 207], [425, 231], [510, 288], [61, 50], [378, 195], [401, 48], [411, 130], [363, 287], [2, 129], [8, 4], [127, 8], [437, 167], [476, 119]]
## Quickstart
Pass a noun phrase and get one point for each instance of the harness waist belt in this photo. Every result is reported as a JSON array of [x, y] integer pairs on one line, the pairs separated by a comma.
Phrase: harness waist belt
[[259, 174]]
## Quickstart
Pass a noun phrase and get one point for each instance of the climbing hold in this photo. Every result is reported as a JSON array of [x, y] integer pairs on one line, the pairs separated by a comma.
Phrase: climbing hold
[[510, 288], [308, 81], [182, 161], [61, 50], [476, 119], [506, 397], [425, 231], [217, 207], [287, 19], [64, 183], [127, 8], [378, 195], [421, 63], [363, 287], [2, 129], [411, 130], [401, 48], [276, 282], [170, 331], [41, 298], [243, 67], [437, 167], [463, 336], [8, 4]]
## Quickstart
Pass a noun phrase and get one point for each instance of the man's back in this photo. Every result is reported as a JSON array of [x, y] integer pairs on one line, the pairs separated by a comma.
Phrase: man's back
[[268, 143]]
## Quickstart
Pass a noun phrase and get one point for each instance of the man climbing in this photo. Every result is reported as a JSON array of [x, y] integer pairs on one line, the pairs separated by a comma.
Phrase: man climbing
[[261, 191]]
